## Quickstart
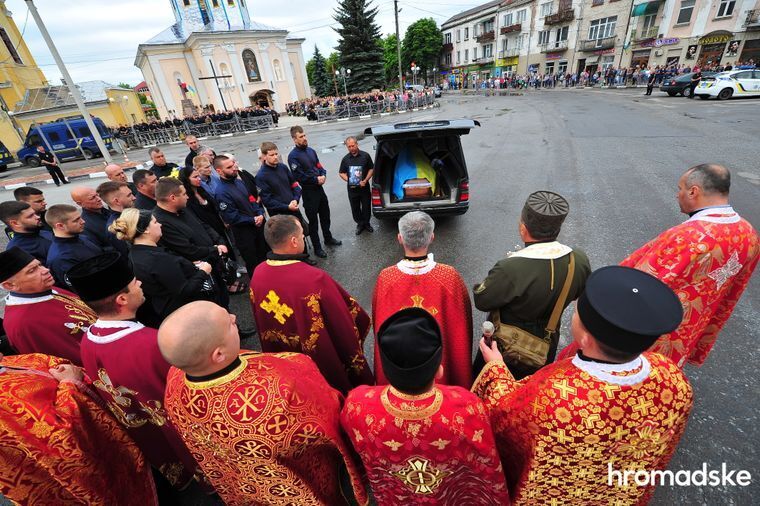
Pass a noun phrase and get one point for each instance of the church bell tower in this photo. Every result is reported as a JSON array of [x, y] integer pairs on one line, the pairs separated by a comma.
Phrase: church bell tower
[[214, 15]]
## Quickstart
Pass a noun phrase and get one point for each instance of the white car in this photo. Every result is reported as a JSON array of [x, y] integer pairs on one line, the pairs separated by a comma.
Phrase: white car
[[740, 83]]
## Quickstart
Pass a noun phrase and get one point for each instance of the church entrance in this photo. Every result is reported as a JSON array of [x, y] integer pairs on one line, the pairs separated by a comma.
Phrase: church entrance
[[262, 98]]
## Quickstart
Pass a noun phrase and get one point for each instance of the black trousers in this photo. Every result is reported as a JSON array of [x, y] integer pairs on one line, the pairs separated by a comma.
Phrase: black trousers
[[249, 240], [317, 214], [692, 87], [650, 87], [361, 202], [56, 173]]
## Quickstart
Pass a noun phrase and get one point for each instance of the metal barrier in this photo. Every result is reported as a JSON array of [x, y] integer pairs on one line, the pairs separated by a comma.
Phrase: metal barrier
[[139, 138], [347, 111]]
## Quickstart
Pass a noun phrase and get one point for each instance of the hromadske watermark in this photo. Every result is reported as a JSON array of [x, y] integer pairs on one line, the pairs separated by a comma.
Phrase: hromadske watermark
[[684, 478]]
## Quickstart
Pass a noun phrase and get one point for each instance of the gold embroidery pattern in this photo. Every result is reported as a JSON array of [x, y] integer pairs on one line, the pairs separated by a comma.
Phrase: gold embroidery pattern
[[420, 476], [275, 336], [408, 410], [122, 398], [280, 312], [78, 311], [419, 301]]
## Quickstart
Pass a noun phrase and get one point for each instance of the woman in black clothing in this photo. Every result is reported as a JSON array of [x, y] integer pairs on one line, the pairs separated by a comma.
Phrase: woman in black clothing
[[205, 208], [168, 281]]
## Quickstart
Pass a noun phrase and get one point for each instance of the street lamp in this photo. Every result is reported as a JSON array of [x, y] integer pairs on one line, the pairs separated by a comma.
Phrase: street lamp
[[345, 74], [415, 69]]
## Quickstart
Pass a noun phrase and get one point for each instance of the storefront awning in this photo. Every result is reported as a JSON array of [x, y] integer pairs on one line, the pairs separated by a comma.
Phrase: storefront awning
[[646, 8]]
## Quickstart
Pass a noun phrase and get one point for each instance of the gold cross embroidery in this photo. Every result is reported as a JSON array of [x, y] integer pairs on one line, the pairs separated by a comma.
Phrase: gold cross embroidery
[[418, 300], [272, 305], [564, 389]]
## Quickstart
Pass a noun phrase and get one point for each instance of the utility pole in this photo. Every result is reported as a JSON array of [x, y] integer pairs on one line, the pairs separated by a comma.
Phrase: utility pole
[[398, 48], [69, 82]]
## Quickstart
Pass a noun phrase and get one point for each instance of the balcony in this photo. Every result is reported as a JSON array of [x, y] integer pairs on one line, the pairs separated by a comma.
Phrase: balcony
[[598, 44], [553, 47], [511, 28], [753, 19], [509, 53], [447, 47], [647, 33], [563, 16], [486, 37]]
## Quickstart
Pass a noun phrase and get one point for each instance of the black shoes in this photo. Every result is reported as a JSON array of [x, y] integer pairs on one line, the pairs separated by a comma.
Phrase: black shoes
[[359, 229], [310, 261], [320, 252], [369, 228], [332, 241]]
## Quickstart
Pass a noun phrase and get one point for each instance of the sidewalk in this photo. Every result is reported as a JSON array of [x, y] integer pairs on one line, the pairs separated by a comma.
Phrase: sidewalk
[[91, 172]]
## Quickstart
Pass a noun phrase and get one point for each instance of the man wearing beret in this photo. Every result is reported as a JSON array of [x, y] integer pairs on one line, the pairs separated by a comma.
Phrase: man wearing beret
[[422, 442], [523, 289], [39, 317], [707, 260], [567, 432], [122, 358]]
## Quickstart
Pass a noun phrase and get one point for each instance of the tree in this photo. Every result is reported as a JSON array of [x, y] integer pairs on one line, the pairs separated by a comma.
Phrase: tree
[[319, 78], [332, 63], [125, 86], [359, 44], [390, 58], [422, 45]]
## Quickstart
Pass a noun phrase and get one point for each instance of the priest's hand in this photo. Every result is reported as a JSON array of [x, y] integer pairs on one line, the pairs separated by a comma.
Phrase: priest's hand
[[492, 353], [221, 248], [67, 372], [293, 206]]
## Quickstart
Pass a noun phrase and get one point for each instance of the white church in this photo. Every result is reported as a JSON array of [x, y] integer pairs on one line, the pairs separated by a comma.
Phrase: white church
[[215, 58]]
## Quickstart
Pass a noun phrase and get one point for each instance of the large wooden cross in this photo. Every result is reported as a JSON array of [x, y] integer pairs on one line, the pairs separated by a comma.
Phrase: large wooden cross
[[216, 80]]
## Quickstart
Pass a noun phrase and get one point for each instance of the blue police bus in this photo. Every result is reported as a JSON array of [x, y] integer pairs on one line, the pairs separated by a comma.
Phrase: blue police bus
[[69, 138]]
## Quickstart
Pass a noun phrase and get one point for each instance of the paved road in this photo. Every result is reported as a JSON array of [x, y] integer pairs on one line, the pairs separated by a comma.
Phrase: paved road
[[616, 155]]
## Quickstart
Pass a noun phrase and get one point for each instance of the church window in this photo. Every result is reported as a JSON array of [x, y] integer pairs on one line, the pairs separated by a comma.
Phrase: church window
[[187, 3], [11, 48], [251, 66], [277, 70], [231, 3], [215, 3]]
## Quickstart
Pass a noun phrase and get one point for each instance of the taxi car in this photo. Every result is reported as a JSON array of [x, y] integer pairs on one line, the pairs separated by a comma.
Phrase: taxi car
[[420, 166], [736, 83]]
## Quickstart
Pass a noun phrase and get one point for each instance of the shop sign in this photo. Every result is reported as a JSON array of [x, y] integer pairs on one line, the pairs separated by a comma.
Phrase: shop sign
[[473, 68], [455, 71], [715, 39], [660, 42], [553, 56], [605, 51]]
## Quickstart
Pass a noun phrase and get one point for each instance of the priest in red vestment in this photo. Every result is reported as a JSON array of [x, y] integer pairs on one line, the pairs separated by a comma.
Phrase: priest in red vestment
[[422, 442], [570, 432], [122, 358], [264, 427], [58, 445], [300, 308], [708, 261], [419, 281], [40, 318]]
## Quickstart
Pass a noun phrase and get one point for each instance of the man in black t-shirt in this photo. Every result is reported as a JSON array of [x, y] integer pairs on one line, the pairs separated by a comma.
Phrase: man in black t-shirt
[[356, 169], [48, 160]]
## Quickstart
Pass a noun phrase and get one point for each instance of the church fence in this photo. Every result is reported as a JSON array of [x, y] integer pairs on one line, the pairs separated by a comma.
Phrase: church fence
[[139, 138], [350, 110]]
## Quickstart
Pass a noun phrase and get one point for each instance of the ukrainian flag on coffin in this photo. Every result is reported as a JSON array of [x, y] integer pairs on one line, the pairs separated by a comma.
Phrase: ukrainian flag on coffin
[[412, 164]]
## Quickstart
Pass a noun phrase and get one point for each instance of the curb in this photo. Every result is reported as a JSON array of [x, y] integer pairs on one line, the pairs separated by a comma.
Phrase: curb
[[90, 175]]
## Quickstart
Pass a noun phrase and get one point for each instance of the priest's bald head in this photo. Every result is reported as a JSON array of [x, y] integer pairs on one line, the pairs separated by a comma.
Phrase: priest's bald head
[[703, 186], [199, 338]]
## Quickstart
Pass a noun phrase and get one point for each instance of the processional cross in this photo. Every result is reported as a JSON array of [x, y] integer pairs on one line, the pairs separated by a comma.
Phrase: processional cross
[[216, 80]]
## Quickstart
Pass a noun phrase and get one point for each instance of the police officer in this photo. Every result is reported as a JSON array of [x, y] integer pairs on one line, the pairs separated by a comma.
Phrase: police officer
[[241, 212], [308, 171]]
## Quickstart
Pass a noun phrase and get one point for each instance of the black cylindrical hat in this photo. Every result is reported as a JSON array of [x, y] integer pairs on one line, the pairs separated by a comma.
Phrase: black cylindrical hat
[[410, 348], [12, 261], [102, 276]]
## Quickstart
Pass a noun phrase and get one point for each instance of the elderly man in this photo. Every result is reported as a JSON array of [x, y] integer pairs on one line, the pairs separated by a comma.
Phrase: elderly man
[[69, 246], [94, 214], [25, 229], [40, 318], [162, 168], [356, 170], [527, 291], [145, 181], [420, 281], [195, 149], [296, 457], [566, 432], [300, 308], [116, 174], [707, 260]]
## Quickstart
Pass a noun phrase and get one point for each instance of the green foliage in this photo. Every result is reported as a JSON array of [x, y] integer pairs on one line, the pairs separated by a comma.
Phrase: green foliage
[[359, 44], [422, 45], [125, 86], [390, 59], [319, 79]]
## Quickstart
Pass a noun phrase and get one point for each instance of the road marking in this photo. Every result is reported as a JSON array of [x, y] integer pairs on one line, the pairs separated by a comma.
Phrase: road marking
[[367, 116], [97, 175], [176, 142], [151, 145], [251, 131], [225, 135], [343, 119], [202, 138]]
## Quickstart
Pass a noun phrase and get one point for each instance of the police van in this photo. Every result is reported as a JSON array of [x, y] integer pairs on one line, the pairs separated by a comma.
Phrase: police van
[[69, 138], [6, 157]]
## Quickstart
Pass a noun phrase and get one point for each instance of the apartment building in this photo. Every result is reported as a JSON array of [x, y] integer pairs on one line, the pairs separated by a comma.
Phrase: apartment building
[[469, 41], [555, 35]]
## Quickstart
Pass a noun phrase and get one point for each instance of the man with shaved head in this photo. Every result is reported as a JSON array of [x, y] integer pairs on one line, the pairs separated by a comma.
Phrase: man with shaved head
[[299, 450], [94, 214], [115, 172], [707, 260]]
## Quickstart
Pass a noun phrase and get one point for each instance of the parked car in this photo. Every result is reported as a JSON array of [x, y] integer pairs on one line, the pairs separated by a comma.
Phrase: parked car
[[420, 166], [64, 137], [5, 157], [679, 85], [740, 83]]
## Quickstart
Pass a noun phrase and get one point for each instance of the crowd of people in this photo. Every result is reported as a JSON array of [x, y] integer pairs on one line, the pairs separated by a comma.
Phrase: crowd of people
[[127, 303], [309, 107]]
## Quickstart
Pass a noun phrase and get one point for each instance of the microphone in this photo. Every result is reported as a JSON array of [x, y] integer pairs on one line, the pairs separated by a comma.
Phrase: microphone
[[488, 330]]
